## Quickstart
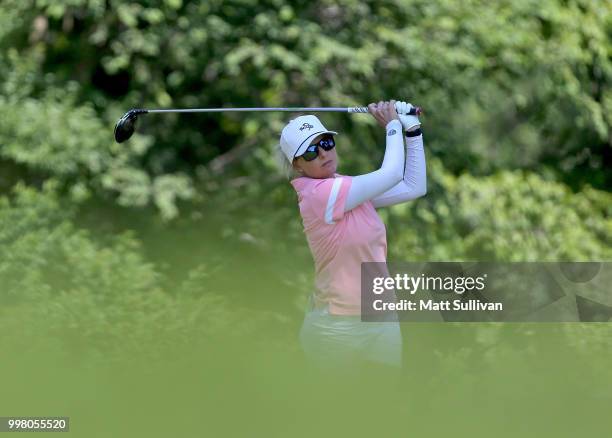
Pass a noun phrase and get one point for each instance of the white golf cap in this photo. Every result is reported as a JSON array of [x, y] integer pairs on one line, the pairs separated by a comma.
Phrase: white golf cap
[[298, 134]]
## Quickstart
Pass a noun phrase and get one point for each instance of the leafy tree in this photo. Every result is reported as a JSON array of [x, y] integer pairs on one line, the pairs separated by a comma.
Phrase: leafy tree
[[507, 84], [510, 216], [517, 129]]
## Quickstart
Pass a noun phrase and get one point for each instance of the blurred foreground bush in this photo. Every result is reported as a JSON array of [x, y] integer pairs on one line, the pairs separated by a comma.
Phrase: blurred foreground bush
[[517, 137], [64, 288], [61, 289]]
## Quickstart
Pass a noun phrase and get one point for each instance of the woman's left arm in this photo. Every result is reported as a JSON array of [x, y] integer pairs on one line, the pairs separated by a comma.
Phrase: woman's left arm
[[414, 183]]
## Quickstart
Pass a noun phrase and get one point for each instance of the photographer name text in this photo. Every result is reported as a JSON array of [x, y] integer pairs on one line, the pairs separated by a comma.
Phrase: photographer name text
[[432, 305]]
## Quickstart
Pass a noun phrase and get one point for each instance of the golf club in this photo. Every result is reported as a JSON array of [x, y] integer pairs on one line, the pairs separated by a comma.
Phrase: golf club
[[126, 124]]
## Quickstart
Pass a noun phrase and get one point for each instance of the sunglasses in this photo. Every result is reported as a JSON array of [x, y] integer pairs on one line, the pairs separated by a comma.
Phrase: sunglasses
[[312, 152]]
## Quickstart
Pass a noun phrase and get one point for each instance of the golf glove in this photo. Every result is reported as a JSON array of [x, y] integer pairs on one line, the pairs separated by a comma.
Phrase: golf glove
[[410, 123]]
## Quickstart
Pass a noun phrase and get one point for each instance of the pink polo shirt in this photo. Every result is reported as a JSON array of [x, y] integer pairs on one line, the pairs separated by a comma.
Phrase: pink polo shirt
[[339, 241]]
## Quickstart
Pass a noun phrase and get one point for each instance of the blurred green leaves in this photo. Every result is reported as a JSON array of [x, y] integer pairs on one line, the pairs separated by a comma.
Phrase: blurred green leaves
[[517, 131], [97, 296]]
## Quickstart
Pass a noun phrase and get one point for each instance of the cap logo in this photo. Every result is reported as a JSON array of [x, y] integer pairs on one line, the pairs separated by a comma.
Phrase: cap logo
[[306, 126]]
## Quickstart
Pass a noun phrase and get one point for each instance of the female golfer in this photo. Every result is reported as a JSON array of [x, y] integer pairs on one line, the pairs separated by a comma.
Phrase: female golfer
[[343, 230]]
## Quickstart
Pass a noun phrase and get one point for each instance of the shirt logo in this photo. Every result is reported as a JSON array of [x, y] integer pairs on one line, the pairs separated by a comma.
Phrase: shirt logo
[[392, 132], [306, 126]]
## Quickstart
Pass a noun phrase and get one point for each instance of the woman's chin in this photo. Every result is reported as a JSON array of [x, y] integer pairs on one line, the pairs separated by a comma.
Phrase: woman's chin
[[330, 169], [325, 171]]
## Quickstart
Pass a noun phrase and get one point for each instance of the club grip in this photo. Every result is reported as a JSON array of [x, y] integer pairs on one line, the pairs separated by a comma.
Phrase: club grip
[[414, 111]]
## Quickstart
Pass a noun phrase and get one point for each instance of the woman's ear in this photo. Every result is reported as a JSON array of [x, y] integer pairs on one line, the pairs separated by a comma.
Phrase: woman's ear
[[296, 167]]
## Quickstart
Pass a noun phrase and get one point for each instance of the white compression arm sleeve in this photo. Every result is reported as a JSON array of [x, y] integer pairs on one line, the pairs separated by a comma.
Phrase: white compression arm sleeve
[[414, 183], [368, 186]]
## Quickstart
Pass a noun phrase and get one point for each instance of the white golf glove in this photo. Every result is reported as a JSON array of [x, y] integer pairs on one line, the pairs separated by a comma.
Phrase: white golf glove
[[410, 123]]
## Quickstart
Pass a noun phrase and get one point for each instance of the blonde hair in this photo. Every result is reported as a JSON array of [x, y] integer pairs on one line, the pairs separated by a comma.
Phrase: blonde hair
[[284, 165]]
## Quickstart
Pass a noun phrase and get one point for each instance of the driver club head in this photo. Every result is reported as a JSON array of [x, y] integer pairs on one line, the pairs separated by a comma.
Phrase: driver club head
[[126, 125]]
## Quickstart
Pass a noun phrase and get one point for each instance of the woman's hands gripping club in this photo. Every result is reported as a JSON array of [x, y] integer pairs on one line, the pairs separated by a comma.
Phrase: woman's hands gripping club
[[383, 112]]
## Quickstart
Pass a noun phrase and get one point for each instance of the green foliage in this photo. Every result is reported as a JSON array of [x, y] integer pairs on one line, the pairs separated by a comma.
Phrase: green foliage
[[96, 298], [44, 255], [52, 135], [510, 216], [518, 118], [519, 83]]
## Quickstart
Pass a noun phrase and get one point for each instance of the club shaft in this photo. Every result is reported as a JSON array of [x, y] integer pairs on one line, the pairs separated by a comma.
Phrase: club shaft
[[268, 109], [354, 109]]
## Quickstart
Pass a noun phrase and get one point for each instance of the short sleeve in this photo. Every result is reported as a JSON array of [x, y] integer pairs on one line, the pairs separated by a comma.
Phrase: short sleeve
[[327, 197]]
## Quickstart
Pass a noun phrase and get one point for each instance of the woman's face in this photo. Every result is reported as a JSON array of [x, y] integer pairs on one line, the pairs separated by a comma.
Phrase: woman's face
[[324, 166]]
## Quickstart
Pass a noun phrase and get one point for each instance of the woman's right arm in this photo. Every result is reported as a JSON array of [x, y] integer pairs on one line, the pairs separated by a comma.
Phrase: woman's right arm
[[370, 185]]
